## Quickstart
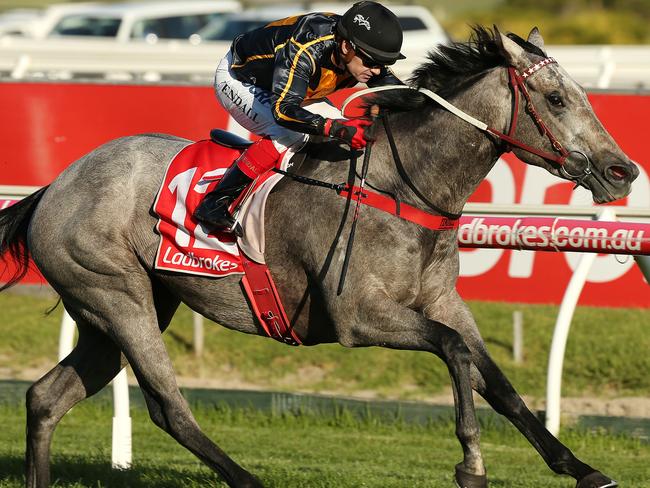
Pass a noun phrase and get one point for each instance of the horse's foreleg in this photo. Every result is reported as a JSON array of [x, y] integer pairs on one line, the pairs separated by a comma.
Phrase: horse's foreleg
[[492, 384], [391, 325], [94, 361], [501, 395], [471, 472]]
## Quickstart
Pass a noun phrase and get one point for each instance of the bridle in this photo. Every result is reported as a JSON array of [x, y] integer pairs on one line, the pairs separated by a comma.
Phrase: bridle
[[517, 83], [445, 220]]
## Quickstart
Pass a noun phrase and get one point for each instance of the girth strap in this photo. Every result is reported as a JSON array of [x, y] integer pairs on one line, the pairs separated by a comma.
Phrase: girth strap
[[265, 302]]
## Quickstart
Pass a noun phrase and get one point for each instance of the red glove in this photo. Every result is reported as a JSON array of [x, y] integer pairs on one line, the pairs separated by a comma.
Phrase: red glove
[[352, 131]]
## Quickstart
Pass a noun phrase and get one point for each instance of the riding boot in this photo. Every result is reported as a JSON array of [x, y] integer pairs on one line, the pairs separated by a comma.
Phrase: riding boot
[[214, 209]]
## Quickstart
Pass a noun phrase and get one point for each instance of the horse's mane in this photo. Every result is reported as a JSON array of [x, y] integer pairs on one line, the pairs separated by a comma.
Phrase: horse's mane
[[450, 68]]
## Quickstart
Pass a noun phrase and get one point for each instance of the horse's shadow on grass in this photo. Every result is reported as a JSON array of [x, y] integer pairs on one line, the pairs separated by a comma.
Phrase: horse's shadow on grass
[[73, 470]]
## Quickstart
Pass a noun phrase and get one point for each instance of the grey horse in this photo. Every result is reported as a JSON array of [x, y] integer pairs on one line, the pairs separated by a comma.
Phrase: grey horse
[[91, 234]]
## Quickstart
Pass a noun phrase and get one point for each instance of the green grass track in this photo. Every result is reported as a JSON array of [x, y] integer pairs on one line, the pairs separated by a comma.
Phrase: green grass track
[[606, 356], [304, 451]]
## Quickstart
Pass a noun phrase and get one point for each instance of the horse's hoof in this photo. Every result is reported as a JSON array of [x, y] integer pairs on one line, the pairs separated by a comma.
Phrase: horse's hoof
[[252, 483], [464, 479], [596, 480], [245, 479]]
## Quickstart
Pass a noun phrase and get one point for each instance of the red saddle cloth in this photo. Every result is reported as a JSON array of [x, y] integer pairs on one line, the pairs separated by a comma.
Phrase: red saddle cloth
[[187, 247]]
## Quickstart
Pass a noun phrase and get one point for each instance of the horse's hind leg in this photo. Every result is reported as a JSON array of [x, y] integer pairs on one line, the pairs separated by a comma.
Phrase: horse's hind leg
[[169, 410], [94, 361], [92, 364], [132, 325]]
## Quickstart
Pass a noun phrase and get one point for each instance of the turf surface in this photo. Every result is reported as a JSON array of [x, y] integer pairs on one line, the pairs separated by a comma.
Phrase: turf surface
[[304, 450]]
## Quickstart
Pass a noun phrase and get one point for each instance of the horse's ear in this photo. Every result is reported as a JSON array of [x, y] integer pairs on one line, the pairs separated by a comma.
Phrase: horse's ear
[[535, 38], [513, 52]]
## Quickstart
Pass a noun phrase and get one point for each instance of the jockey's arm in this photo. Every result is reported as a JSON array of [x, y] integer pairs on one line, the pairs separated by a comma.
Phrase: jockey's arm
[[293, 70], [294, 66], [290, 89]]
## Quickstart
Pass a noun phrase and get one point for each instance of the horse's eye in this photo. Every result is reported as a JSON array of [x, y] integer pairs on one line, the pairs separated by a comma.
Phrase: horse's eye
[[556, 100]]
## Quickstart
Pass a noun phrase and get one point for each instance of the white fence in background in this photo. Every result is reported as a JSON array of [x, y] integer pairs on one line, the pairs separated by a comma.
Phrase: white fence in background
[[621, 67]]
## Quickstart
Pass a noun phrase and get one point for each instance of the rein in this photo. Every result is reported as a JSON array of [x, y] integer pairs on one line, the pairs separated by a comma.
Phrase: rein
[[405, 177], [446, 220]]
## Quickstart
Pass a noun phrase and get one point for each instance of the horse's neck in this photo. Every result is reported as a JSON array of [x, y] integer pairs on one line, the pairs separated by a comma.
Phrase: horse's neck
[[445, 157]]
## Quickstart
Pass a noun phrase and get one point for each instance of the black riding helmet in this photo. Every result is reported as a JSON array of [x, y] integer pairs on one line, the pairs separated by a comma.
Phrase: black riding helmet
[[374, 30]]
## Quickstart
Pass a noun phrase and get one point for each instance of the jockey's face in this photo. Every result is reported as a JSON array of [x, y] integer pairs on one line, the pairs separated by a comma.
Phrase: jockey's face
[[359, 66]]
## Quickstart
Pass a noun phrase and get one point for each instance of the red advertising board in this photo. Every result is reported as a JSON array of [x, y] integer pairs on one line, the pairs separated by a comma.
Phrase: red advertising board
[[49, 125]]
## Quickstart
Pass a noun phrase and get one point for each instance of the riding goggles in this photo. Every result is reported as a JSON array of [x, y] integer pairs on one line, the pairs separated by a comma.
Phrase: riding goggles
[[365, 58]]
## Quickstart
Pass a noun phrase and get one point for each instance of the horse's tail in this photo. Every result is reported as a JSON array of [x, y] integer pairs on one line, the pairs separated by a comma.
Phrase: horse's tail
[[14, 221]]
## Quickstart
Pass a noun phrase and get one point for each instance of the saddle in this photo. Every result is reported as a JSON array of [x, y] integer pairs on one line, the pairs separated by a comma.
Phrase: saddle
[[228, 139]]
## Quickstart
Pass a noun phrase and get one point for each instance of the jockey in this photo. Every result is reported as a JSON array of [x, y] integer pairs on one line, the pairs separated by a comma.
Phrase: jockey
[[271, 74]]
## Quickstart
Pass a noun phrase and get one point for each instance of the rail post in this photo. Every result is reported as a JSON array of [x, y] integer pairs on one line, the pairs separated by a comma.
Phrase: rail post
[[121, 440], [121, 436], [561, 332]]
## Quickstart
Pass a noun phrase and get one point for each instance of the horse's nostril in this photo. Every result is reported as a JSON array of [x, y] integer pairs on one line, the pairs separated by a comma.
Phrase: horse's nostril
[[617, 173]]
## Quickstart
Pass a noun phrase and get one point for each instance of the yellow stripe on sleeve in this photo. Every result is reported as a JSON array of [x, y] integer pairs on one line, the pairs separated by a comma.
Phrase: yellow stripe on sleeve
[[259, 56], [303, 48]]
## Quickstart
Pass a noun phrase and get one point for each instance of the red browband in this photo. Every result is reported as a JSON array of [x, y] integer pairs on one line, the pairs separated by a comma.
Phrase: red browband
[[401, 210]]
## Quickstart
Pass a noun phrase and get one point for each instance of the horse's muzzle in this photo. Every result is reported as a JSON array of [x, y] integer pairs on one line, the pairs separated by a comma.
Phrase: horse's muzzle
[[615, 178]]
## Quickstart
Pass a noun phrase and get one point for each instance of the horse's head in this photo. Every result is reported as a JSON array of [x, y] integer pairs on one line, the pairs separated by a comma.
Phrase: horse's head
[[556, 117]]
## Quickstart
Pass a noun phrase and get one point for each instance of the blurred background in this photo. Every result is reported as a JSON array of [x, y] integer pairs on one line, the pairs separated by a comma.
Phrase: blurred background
[[75, 75], [562, 21], [603, 43]]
